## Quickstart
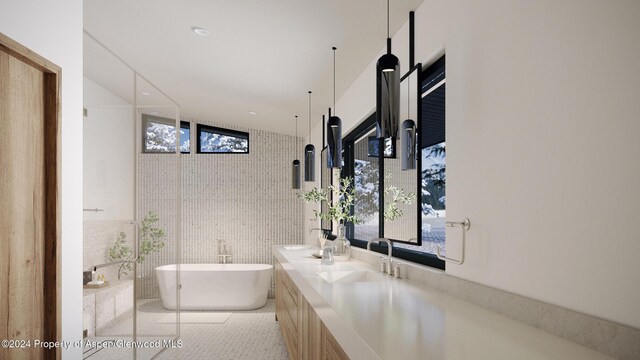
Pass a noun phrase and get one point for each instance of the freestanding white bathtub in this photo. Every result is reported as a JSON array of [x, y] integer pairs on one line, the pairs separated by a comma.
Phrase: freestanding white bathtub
[[215, 286]]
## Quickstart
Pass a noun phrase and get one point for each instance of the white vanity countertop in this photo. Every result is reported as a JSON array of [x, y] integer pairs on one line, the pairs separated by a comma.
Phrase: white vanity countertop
[[393, 319]]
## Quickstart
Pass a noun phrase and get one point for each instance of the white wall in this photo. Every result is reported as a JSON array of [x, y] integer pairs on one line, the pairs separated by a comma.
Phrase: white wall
[[109, 152], [54, 30], [542, 144]]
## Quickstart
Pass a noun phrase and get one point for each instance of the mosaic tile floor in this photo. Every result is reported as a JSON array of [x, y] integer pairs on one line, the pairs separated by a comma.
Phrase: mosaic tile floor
[[246, 335]]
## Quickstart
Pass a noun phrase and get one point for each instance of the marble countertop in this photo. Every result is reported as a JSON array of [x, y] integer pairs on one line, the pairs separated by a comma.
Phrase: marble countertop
[[388, 318]]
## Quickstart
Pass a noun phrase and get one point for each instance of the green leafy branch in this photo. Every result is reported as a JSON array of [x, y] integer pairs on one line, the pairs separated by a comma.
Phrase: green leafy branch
[[397, 195], [151, 240], [340, 210]]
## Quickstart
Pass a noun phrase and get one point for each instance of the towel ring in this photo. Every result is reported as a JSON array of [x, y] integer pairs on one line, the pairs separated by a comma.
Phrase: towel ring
[[465, 225]]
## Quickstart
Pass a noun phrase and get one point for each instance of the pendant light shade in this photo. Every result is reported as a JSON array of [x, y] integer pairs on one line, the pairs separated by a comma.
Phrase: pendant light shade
[[295, 175], [309, 163], [387, 92], [408, 144], [295, 166], [309, 153], [334, 129], [334, 142]]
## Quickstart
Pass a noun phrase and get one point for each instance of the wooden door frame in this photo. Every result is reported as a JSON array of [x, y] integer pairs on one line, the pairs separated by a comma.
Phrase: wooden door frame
[[52, 173]]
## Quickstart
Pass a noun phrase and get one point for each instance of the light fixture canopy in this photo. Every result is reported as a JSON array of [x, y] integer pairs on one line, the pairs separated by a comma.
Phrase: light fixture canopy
[[295, 166], [200, 31], [309, 153], [334, 129], [387, 92]]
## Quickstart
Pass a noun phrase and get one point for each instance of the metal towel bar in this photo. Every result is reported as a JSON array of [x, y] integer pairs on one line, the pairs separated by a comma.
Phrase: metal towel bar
[[465, 225]]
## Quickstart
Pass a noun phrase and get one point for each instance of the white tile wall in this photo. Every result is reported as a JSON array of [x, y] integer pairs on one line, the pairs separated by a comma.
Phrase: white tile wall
[[98, 236], [244, 199]]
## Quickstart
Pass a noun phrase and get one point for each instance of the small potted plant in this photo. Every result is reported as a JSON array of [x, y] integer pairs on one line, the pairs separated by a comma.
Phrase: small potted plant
[[338, 211]]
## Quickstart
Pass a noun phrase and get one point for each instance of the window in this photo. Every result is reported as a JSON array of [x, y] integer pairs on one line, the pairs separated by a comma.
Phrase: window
[[433, 159], [363, 164], [389, 146], [214, 140], [366, 173], [159, 135], [430, 181]]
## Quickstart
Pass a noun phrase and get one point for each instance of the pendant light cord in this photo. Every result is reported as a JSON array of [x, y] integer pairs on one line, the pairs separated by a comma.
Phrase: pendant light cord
[[309, 123], [296, 127], [408, 98], [387, 18], [334, 79]]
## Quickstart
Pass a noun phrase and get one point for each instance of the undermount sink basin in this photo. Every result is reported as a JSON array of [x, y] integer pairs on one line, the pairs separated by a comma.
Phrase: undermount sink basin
[[295, 247], [350, 276]]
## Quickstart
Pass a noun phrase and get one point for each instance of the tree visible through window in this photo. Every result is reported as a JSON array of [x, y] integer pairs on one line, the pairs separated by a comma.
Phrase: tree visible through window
[[433, 159], [217, 140], [159, 135]]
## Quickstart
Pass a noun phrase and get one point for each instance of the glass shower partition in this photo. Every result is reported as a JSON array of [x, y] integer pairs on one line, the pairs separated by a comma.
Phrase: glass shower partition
[[161, 139], [132, 209]]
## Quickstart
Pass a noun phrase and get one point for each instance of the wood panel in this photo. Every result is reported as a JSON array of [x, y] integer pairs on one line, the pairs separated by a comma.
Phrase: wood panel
[[332, 350], [29, 222], [304, 334], [21, 194], [52, 210], [310, 332], [285, 306]]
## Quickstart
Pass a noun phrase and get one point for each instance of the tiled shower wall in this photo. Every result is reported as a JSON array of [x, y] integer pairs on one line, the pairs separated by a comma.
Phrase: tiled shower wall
[[98, 236], [244, 199]]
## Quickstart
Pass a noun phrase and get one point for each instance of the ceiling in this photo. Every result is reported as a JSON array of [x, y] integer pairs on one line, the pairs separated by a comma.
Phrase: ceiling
[[260, 56]]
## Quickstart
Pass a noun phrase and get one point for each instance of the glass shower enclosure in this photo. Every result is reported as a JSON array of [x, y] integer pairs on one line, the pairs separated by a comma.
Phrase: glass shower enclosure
[[132, 209]]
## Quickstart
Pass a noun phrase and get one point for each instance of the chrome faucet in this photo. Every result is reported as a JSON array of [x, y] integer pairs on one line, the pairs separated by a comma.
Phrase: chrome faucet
[[312, 229], [223, 255], [319, 242], [389, 270]]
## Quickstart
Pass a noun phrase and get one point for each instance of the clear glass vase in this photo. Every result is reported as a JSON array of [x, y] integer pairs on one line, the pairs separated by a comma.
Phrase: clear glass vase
[[341, 246]]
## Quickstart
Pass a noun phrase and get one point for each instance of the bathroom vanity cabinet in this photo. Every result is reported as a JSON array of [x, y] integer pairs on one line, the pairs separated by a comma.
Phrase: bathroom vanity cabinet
[[304, 334]]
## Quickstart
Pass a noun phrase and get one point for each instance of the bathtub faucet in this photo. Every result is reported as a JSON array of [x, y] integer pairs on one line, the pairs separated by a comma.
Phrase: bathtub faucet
[[223, 254]]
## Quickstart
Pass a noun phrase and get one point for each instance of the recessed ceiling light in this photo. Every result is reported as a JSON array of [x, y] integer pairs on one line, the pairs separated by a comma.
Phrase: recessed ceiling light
[[200, 31], [145, 93], [252, 113]]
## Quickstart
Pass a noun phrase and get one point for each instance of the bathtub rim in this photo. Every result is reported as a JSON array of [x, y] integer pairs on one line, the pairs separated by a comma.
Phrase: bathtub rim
[[215, 267]]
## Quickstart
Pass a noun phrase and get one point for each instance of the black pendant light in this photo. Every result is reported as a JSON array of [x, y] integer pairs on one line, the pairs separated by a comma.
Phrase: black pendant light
[[309, 153], [408, 143], [387, 92], [295, 167], [408, 137], [334, 129]]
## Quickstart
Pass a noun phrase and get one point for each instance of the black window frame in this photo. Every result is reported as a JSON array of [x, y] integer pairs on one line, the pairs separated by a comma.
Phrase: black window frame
[[349, 139], [221, 131], [146, 118]]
